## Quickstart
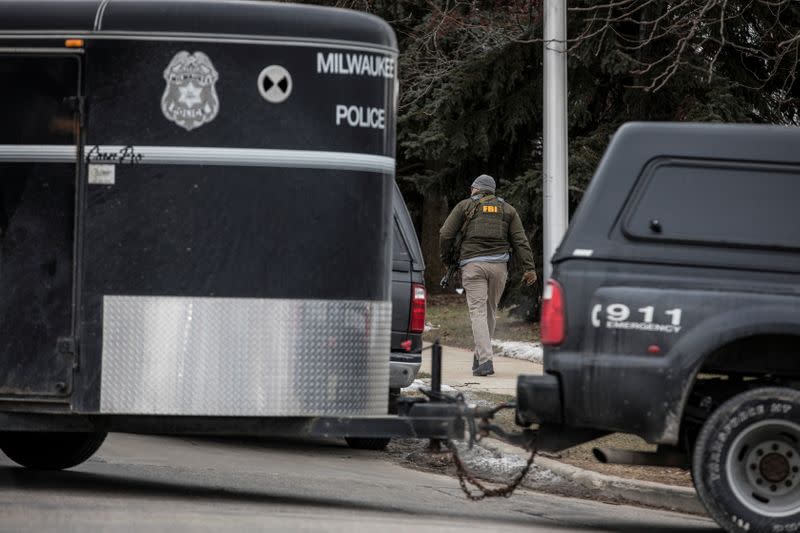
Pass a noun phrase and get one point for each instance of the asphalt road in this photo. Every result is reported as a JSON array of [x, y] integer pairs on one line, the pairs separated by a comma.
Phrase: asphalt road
[[146, 483]]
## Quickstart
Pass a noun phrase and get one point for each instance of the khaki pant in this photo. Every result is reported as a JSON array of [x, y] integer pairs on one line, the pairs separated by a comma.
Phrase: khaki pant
[[484, 284]]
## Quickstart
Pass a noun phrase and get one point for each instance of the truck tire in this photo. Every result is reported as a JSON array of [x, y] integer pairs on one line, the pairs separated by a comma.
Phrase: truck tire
[[746, 465], [51, 450], [360, 443]]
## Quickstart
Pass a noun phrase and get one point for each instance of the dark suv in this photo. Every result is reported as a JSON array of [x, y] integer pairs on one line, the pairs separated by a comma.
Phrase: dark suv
[[674, 313], [408, 300], [408, 312]]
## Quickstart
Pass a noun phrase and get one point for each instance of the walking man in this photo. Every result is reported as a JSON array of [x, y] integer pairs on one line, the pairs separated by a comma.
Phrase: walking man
[[490, 229]]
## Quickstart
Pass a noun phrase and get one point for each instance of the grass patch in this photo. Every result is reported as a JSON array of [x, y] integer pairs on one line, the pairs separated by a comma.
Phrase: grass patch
[[449, 315], [491, 397], [505, 418], [581, 456]]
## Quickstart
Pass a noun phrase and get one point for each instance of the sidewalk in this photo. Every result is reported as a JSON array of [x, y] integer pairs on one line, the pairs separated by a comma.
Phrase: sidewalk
[[457, 371]]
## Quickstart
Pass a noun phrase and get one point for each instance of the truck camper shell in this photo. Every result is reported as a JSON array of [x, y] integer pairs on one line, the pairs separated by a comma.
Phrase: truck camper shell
[[752, 163]]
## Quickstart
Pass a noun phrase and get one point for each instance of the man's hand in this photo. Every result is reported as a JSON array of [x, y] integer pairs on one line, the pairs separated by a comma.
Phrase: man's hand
[[529, 277]]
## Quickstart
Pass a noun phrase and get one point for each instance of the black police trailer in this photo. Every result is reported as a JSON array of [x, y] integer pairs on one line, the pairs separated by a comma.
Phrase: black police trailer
[[674, 314], [196, 222]]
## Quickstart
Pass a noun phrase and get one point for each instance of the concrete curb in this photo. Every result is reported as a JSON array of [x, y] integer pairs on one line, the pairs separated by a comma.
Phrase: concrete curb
[[680, 499], [457, 367]]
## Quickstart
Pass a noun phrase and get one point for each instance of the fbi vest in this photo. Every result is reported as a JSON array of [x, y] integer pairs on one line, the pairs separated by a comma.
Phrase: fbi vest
[[487, 231]]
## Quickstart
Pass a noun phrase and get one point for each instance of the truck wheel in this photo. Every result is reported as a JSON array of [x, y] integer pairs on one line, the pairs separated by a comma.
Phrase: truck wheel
[[376, 444], [50, 450], [746, 465]]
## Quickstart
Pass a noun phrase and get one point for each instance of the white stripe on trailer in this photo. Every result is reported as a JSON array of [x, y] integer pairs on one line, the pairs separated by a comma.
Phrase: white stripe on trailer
[[194, 155], [39, 50], [38, 153], [98, 16], [257, 157], [202, 38]]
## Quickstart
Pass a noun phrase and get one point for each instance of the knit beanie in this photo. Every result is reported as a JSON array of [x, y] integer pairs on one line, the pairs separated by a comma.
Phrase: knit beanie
[[484, 182]]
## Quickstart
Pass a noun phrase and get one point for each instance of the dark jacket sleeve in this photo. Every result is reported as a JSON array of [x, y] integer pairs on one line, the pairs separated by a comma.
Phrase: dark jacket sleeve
[[519, 242], [449, 230]]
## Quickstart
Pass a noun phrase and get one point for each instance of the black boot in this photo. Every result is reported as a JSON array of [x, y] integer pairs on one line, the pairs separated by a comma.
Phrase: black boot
[[474, 362], [486, 369]]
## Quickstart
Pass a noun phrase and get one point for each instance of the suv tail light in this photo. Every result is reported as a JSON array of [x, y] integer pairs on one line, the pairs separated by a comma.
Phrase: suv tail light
[[553, 322], [417, 322]]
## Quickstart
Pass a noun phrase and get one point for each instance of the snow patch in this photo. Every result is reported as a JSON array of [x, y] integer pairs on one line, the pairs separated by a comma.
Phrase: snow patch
[[426, 384], [430, 327], [528, 351], [498, 467]]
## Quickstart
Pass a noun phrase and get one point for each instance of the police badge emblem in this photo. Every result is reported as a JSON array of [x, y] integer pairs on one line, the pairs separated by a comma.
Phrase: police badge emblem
[[190, 98]]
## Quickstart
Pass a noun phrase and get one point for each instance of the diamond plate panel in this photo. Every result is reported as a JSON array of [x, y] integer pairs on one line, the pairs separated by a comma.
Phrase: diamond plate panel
[[244, 357]]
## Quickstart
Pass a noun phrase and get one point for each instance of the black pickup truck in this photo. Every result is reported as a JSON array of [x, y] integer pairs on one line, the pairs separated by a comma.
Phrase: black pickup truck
[[673, 313]]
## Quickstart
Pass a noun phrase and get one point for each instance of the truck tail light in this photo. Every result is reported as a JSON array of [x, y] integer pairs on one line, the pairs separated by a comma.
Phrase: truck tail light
[[417, 322], [553, 322]]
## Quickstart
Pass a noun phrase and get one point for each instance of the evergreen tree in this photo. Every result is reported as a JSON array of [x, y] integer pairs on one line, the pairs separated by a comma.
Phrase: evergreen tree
[[471, 89]]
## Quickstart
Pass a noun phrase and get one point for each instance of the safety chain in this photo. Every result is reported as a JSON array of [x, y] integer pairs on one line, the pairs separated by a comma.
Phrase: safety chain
[[465, 478], [475, 434]]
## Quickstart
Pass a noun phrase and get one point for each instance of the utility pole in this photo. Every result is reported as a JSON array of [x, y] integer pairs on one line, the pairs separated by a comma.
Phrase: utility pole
[[556, 210]]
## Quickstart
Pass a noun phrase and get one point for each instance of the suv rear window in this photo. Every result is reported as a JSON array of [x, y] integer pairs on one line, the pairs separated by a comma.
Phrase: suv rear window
[[400, 252], [717, 203]]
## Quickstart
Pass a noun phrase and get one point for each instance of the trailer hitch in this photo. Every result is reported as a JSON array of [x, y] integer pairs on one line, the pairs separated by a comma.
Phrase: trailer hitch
[[472, 487], [476, 431], [525, 439]]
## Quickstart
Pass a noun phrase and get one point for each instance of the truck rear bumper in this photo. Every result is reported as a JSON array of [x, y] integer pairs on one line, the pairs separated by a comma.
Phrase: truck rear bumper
[[403, 369], [607, 392], [539, 400]]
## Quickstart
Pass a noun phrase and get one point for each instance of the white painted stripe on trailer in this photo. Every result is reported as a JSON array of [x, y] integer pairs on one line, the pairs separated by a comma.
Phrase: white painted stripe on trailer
[[193, 155], [203, 38], [247, 157], [98, 16], [39, 50], [38, 153]]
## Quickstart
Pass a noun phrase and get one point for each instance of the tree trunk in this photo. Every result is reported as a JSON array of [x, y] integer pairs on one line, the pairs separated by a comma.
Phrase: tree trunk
[[434, 211]]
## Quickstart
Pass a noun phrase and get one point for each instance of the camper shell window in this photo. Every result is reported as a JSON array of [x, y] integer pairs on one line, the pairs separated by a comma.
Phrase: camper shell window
[[716, 202]]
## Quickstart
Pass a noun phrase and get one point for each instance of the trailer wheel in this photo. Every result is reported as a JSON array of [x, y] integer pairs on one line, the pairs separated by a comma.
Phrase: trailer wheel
[[359, 443], [746, 466], [50, 450]]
